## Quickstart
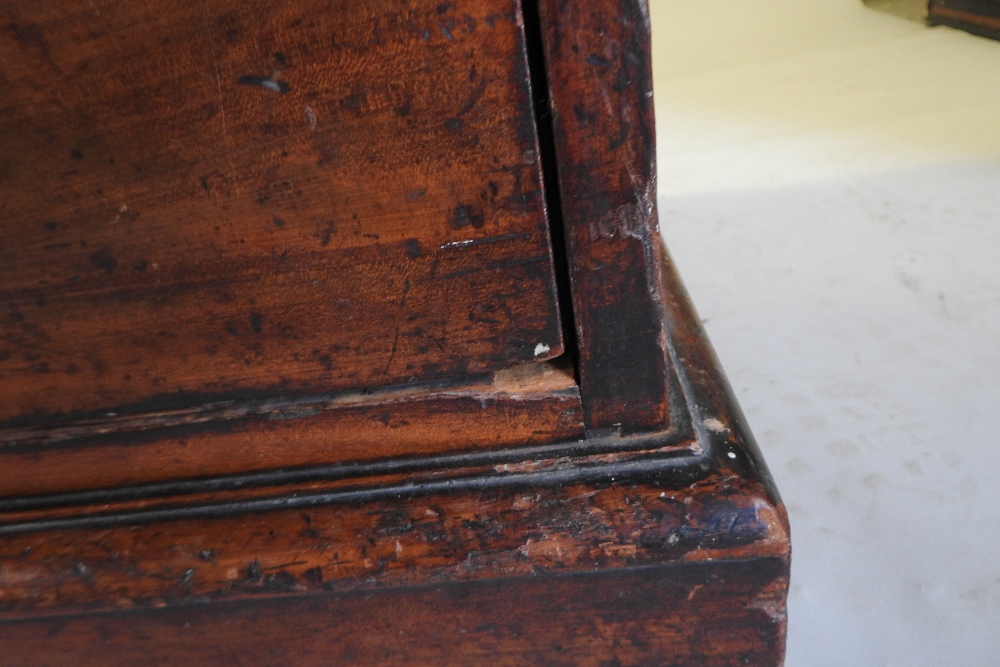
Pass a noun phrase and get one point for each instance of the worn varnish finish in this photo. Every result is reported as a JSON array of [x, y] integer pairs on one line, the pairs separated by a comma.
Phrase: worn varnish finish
[[270, 515], [600, 85], [673, 564], [528, 405], [980, 17], [242, 199], [686, 615], [317, 486], [402, 541]]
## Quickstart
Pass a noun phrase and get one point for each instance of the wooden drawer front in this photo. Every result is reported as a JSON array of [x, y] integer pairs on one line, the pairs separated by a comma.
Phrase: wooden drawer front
[[240, 199]]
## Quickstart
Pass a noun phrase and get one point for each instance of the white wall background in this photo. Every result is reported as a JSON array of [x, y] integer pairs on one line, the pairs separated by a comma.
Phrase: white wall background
[[830, 190]]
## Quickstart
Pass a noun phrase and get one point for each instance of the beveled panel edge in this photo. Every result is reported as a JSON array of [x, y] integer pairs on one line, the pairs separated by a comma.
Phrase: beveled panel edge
[[710, 434], [533, 405]]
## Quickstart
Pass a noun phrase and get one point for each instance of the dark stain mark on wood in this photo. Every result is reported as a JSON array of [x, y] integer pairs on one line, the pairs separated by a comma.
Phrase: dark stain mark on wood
[[256, 322], [326, 233], [583, 116], [30, 36], [104, 259], [326, 361], [402, 297], [392, 354], [213, 190], [466, 215], [354, 101], [412, 248], [254, 572]]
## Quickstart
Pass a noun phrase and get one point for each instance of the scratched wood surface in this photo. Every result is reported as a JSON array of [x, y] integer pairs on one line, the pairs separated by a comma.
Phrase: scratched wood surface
[[724, 507], [522, 406], [174, 544], [597, 56], [723, 614], [470, 535], [238, 199], [655, 572], [683, 568]]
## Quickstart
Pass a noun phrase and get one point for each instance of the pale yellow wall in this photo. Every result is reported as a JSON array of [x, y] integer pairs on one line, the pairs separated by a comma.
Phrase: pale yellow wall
[[809, 89]]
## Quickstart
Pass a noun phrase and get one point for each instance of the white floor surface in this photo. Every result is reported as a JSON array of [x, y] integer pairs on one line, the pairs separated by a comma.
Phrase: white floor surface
[[830, 190]]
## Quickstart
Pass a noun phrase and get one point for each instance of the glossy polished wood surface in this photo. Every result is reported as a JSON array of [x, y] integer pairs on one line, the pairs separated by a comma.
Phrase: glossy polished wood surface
[[239, 199]]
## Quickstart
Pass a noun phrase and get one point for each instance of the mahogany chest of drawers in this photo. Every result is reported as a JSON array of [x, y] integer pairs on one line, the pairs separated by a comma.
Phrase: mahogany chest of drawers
[[340, 332]]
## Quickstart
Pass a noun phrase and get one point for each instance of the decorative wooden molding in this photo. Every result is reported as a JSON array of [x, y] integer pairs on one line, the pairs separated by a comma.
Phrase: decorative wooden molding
[[491, 502]]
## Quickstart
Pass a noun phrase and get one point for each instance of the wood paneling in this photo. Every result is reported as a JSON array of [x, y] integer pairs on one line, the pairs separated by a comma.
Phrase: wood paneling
[[597, 54], [636, 557], [242, 199], [259, 209], [518, 407]]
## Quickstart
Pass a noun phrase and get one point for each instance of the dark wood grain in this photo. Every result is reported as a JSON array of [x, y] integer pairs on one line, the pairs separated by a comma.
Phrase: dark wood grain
[[471, 535], [723, 508], [527, 405], [559, 464], [597, 54], [207, 485], [720, 520], [240, 199], [720, 614], [706, 546], [980, 17]]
